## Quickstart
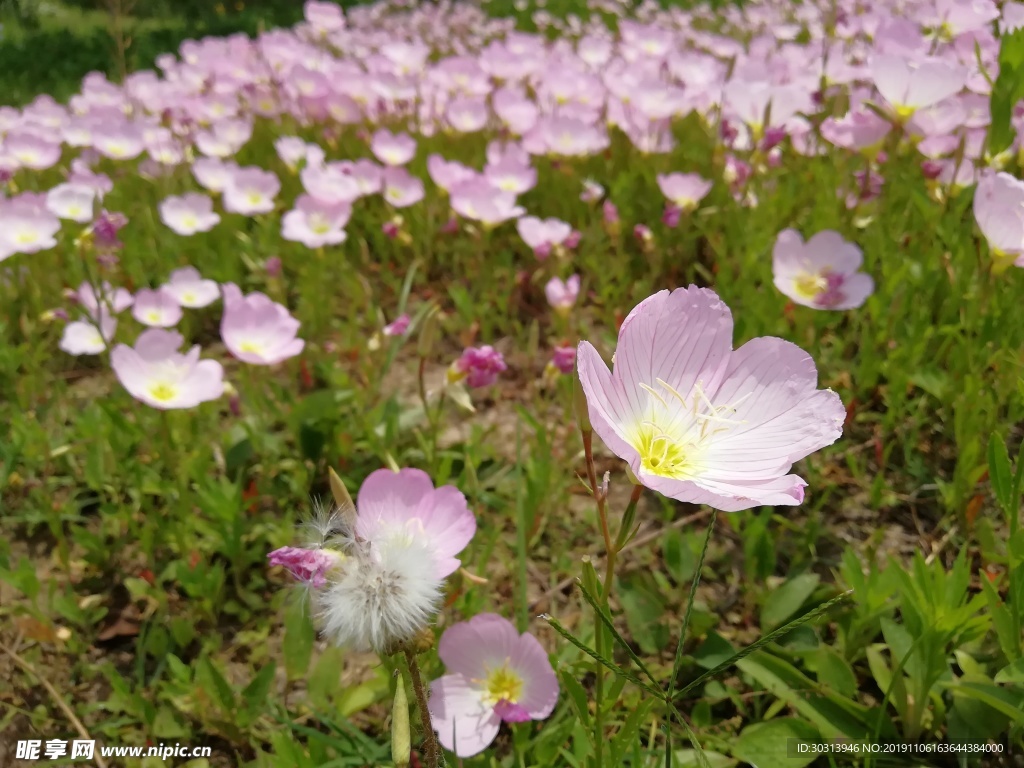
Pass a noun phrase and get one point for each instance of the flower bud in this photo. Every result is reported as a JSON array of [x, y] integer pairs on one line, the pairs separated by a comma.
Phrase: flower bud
[[401, 738], [428, 332]]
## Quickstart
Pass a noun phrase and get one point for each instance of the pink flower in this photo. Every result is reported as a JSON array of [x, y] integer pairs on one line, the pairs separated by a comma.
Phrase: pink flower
[[399, 327], [510, 175], [821, 273], [212, 174], [448, 174], [251, 191], [324, 16], [157, 308], [909, 85], [401, 188], [189, 213], [155, 373], [999, 211], [31, 151], [26, 227], [698, 421], [564, 359], [405, 503], [119, 142], [592, 191], [684, 190], [85, 337], [543, 235], [73, 202], [393, 148], [331, 183], [562, 295], [189, 288], [307, 565], [479, 366], [480, 201], [315, 223], [112, 300], [858, 129], [257, 330], [494, 675]]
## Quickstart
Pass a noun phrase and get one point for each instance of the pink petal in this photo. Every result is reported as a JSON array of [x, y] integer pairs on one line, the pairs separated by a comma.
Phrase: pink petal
[[464, 724]]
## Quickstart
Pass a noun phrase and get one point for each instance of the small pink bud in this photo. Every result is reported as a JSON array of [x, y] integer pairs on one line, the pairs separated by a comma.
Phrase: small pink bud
[[272, 266]]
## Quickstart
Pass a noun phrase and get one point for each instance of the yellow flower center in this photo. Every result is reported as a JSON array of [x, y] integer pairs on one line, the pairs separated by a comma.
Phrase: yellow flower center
[[255, 198], [672, 440], [254, 347], [188, 221], [503, 684], [163, 392], [26, 238], [810, 284]]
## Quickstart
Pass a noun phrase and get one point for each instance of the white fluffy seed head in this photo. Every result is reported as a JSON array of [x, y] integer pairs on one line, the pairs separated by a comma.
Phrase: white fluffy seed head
[[382, 595]]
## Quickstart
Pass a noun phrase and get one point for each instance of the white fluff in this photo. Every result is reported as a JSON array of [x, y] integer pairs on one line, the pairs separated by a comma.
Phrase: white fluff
[[383, 593]]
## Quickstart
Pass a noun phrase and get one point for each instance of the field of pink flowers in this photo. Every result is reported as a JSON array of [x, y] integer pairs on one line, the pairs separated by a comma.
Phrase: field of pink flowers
[[543, 385]]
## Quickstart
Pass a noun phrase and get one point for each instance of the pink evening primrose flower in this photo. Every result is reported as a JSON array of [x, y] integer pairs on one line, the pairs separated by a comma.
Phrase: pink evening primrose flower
[[684, 190], [73, 202], [494, 675], [448, 174], [999, 211], [909, 85], [189, 288], [479, 366], [401, 188], [543, 235], [113, 300], [479, 201], [26, 228], [257, 330], [393, 148], [155, 373], [398, 327], [189, 213], [699, 421], [562, 295], [315, 223], [85, 337], [158, 309], [406, 504], [821, 273], [251, 191]]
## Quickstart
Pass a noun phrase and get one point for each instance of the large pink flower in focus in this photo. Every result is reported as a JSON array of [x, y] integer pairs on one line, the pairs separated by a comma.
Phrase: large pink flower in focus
[[494, 675], [699, 421], [405, 503]]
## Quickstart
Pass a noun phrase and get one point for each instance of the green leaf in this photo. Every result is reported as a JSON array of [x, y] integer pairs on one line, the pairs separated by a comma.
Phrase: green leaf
[[577, 697], [645, 609], [258, 689], [212, 681], [1000, 473], [832, 714], [835, 672], [1008, 702], [297, 646], [783, 603], [713, 651], [688, 758], [1012, 673], [766, 745]]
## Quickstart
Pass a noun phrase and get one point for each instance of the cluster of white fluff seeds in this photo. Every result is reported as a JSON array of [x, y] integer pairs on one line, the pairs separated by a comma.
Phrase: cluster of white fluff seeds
[[383, 592]]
